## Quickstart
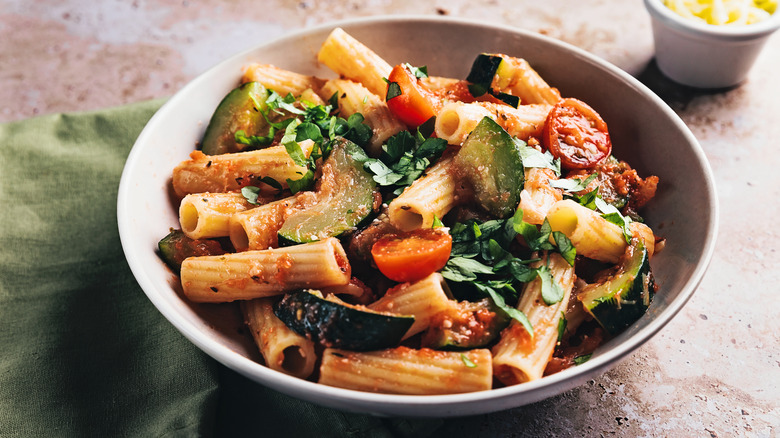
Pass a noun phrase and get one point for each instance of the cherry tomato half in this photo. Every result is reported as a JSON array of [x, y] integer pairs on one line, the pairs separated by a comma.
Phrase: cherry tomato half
[[416, 103], [576, 133], [412, 255]]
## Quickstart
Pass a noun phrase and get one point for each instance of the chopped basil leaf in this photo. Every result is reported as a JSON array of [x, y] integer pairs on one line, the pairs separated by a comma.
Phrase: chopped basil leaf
[[534, 158], [573, 184], [275, 101], [404, 159], [250, 194], [304, 183], [418, 72], [612, 214], [513, 313], [565, 247], [334, 100], [271, 182], [562, 322], [551, 291], [467, 361], [579, 360], [393, 90], [295, 152], [436, 222], [255, 140]]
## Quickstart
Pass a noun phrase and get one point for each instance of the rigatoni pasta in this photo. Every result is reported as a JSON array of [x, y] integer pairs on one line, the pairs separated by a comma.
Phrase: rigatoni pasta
[[437, 244]]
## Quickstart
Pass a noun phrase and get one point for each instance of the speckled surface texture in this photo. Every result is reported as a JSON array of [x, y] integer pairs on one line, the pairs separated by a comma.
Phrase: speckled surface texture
[[714, 371]]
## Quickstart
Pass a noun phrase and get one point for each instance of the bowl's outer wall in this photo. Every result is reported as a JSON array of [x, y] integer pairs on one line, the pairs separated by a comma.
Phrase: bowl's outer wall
[[645, 132]]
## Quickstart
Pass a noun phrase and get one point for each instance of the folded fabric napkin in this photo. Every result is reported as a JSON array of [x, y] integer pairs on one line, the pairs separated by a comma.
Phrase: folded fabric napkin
[[83, 352]]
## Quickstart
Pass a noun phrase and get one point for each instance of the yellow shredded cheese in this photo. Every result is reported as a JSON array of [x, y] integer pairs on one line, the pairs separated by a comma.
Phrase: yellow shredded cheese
[[724, 12]]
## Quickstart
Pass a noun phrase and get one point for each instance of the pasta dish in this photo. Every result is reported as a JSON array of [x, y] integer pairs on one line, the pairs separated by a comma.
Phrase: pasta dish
[[398, 232]]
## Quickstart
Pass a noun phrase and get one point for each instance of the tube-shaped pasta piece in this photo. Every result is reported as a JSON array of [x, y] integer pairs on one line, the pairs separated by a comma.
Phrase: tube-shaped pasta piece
[[537, 196], [351, 59], [518, 357], [255, 274], [406, 371], [256, 228], [423, 299], [433, 194], [516, 76], [456, 120], [434, 83], [283, 349], [207, 215], [282, 81], [223, 173], [592, 235], [355, 98]]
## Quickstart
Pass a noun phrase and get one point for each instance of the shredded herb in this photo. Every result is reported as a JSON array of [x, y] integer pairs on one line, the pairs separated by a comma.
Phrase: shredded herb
[[467, 361], [250, 194], [579, 360], [562, 323], [393, 90], [404, 158], [480, 258], [418, 72]]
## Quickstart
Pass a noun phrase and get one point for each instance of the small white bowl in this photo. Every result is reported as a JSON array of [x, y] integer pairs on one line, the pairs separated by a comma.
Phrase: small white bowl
[[705, 55]]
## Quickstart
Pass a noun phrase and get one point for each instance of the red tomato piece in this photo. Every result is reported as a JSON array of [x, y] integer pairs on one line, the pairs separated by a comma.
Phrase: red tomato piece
[[413, 255], [416, 103], [576, 133]]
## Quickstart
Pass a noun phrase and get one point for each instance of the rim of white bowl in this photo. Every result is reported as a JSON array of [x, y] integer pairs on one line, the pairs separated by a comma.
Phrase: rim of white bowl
[[728, 32], [388, 404]]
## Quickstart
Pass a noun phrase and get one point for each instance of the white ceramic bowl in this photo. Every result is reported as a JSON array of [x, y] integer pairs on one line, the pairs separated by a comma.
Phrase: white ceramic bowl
[[645, 132], [703, 55]]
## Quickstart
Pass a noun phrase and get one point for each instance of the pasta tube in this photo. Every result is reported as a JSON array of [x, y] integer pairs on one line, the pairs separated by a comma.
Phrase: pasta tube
[[456, 120], [422, 299], [254, 274], [282, 349], [537, 196], [518, 357], [431, 195], [592, 235], [207, 215], [351, 59], [257, 228], [284, 82], [406, 371], [515, 76], [223, 173]]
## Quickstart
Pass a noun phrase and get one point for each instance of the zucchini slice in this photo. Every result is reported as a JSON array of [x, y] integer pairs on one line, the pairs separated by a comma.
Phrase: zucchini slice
[[345, 198], [334, 323], [466, 325], [176, 246], [623, 297], [240, 110], [491, 161]]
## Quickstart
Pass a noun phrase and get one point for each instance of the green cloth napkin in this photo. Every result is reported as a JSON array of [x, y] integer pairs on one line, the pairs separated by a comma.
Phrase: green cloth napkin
[[83, 352]]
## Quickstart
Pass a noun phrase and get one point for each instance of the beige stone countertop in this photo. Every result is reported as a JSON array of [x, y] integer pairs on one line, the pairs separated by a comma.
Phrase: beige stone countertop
[[713, 371]]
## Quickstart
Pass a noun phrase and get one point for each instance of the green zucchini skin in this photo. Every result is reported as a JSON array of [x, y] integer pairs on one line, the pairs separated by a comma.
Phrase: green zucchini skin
[[623, 297], [337, 325], [469, 325], [237, 111], [345, 199], [176, 246], [491, 161]]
